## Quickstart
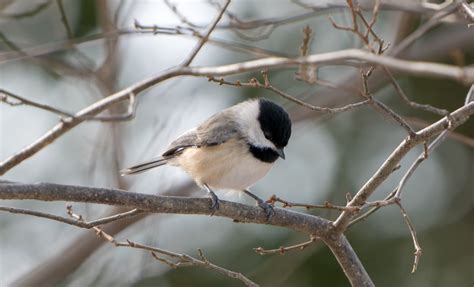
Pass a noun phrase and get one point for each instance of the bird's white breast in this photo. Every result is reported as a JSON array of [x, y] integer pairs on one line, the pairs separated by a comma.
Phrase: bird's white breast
[[226, 166]]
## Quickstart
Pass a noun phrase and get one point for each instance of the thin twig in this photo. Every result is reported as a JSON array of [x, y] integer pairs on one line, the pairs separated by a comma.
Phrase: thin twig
[[255, 83], [401, 93], [372, 210], [390, 200], [130, 114], [381, 106], [81, 224], [418, 161], [262, 32], [418, 250], [69, 33], [283, 249], [364, 37], [326, 205], [424, 155], [203, 40], [182, 259], [191, 32], [375, 14], [393, 160], [470, 95], [322, 9], [4, 95]]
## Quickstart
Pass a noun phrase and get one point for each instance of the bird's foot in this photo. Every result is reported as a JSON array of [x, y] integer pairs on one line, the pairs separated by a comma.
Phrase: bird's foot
[[214, 202], [267, 207]]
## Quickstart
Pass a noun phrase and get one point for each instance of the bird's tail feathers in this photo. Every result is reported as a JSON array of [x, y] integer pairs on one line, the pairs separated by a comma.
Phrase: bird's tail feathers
[[139, 168]]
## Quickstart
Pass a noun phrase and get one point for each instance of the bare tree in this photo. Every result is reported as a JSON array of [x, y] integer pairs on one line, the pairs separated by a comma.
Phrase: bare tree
[[373, 62]]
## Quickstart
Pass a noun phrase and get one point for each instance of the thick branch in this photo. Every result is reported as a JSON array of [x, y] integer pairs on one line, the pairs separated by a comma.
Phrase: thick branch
[[349, 261], [312, 225], [163, 204]]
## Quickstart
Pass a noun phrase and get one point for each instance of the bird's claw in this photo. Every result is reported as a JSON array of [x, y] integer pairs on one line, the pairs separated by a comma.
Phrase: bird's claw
[[268, 208], [214, 202]]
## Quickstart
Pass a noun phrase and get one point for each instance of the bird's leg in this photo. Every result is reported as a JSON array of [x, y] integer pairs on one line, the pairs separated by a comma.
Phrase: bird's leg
[[268, 208], [214, 199]]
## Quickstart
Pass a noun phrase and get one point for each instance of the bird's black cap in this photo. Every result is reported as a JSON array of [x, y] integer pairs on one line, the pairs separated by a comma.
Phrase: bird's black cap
[[275, 123]]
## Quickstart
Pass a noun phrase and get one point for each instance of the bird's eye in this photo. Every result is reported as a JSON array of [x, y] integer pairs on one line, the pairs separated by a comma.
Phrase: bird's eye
[[268, 135]]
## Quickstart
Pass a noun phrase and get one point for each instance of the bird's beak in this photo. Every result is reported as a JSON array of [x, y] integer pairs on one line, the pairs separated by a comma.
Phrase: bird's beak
[[281, 153]]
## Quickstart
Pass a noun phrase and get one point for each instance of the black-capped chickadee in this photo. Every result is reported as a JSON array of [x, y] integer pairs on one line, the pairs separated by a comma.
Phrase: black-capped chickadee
[[231, 150]]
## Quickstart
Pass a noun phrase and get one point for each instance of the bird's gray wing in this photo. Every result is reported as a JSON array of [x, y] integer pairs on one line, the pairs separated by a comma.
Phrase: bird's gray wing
[[216, 130], [186, 140]]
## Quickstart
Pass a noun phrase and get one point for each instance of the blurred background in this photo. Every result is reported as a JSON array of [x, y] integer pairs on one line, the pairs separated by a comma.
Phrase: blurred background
[[69, 54]]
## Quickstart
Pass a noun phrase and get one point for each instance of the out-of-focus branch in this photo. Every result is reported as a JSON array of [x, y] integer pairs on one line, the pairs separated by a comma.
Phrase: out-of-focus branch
[[423, 29], [40, 7], [317, 9], [468, 11], [62, 45], [204, 39], [406, 6], [67, 27], [52, 47]]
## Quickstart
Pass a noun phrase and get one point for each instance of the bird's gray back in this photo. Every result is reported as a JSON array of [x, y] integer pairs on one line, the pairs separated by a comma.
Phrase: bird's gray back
[[216, 130]]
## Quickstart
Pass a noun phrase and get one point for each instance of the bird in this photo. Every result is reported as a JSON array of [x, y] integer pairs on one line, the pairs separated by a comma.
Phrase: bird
[[231, 150]]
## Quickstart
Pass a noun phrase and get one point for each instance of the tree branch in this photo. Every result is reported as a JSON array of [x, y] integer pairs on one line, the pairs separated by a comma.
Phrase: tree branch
[[162, 204], [282, 249], [452, 121], [182, 259], [81, 224], [203, 39], [309, 224], [52, 270], [349, 261], [339, 57]]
